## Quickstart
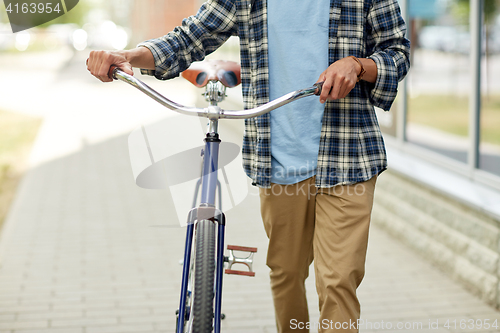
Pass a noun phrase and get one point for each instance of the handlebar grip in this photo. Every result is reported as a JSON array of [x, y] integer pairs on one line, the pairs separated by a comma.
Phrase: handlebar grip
[[112, 72], [319, 86]]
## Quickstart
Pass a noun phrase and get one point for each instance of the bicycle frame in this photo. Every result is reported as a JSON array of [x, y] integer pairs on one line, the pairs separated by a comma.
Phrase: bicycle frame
[[208, 185], [206, 210]]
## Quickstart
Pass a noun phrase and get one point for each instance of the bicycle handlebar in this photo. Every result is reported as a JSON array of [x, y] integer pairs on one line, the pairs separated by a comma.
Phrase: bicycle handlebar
[[213, 112]]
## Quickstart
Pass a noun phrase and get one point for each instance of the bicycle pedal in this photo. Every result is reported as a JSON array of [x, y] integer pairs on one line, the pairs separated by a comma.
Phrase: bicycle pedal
[[241, 248], [247, 261], [243, 273]]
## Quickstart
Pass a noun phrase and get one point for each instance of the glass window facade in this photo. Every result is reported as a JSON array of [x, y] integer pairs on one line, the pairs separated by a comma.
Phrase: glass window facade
[[449, 105], [489, 149], [438, 87]]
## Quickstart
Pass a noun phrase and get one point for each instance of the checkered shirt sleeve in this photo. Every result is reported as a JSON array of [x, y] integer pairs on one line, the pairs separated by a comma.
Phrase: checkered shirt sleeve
[[198, 36], [389, 49]]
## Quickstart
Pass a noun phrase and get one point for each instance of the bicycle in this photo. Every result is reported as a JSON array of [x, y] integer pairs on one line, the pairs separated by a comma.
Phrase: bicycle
[[201, 285]]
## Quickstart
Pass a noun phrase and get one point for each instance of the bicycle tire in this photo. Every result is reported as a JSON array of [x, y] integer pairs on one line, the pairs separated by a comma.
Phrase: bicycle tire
[[203, 304]]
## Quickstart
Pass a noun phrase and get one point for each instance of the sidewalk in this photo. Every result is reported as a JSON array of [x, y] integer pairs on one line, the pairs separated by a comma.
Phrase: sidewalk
[[84, 250]]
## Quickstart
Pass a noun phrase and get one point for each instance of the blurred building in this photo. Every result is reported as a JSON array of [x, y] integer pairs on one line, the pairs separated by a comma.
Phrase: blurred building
[[441, 194], [154, 18]]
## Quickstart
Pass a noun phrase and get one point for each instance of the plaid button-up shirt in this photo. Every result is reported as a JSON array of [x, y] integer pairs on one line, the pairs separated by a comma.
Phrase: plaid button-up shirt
[[351, 146]]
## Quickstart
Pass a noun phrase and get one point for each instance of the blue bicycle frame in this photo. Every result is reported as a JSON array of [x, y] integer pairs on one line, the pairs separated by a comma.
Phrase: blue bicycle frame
[[208, 193]]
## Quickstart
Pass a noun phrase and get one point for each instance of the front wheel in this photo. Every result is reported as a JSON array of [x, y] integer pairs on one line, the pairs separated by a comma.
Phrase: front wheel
[[204, 270]]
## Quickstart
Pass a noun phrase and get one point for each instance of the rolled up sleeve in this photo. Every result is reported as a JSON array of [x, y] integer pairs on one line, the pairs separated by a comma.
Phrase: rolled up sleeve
[[390, 51]]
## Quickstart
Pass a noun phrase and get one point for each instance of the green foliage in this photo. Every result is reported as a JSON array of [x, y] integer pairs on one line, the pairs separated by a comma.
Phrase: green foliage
[[17, 133], [450, 113], [461, 10], [76, 15], [3, 13]]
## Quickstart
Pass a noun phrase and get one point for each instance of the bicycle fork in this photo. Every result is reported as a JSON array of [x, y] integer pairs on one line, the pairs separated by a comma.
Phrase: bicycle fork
[[205, 211]]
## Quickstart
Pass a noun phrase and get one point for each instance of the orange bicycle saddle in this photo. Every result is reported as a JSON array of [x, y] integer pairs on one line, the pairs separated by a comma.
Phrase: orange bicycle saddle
[[227, 72]]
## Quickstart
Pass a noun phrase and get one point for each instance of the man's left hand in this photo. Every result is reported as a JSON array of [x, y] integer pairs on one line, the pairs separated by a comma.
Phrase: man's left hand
[[339, 79]]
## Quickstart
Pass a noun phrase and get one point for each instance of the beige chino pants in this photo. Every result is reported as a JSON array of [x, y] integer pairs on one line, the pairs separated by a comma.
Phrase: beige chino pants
[[330, 226]]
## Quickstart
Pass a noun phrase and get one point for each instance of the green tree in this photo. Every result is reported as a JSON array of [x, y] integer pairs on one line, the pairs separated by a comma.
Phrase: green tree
[[76, 15], [461, 9]]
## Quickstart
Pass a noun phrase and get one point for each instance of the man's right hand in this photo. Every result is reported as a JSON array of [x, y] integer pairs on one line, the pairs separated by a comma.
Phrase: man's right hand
[[99, 63]]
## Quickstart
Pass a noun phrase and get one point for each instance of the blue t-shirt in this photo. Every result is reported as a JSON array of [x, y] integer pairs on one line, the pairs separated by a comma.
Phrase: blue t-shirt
[[298, 54]]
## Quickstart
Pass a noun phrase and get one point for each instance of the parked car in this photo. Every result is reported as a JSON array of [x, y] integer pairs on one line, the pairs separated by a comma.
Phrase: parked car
[[445, 38]]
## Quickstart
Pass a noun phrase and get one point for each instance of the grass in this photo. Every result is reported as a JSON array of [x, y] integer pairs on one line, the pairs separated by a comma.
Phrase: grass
[[451, 114], [17, 133]]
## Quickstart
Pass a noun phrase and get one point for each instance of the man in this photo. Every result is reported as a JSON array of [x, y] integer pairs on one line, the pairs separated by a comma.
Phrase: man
[[315, 162]]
